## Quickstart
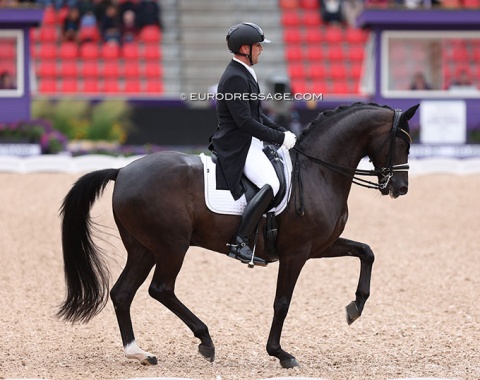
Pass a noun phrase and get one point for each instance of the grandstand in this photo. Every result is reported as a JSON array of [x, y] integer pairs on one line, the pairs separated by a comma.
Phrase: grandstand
[[92, 66], [190, 53]]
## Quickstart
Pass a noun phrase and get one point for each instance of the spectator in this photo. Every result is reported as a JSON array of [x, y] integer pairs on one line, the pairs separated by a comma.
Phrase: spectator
[[129, 28], [331, 11], [110, 25], [148, 13], [127, 5], [351, 9], [71, 25], [7, 81], [88, 20], [84, 7], [463, 79], [100, 8], [419, 82]]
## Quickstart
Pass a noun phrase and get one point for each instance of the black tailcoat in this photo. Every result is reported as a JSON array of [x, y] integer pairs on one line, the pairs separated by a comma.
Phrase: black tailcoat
[[238, 121]]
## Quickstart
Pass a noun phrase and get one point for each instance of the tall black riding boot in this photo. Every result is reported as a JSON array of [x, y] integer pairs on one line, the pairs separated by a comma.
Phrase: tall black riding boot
[[254, 210]]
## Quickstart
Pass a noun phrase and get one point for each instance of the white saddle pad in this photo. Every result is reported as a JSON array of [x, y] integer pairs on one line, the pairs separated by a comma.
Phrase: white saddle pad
[[222, 202]]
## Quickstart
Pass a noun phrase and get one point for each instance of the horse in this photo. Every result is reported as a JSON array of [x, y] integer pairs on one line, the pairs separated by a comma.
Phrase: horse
[[159, 208]]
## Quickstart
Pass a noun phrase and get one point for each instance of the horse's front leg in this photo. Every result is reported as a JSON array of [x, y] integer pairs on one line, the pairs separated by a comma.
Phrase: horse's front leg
[[288, 273], [344, 247]]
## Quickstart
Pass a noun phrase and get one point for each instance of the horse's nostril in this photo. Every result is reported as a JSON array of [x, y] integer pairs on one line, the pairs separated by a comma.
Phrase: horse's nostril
[[403, 190]]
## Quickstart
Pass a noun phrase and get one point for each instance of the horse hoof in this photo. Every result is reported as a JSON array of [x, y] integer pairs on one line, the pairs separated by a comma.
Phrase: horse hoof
[[352, 312], [149, 360], [207, 352], [289, 363]]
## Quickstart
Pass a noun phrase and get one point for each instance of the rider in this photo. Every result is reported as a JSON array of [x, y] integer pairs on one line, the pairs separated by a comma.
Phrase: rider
[[242, 129]]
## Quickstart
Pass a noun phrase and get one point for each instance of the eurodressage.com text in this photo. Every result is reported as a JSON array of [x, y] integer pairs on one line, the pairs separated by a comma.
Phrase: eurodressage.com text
[[210, 96]]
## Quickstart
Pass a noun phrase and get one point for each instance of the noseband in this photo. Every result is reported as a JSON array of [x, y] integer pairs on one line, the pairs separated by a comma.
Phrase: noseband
[[385, 172]]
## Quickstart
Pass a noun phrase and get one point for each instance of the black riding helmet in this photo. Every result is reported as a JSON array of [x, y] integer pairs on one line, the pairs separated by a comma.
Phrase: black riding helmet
[[245, 33]]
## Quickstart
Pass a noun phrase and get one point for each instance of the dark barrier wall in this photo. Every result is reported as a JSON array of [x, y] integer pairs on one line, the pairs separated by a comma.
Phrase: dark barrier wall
[[171, 126], [183, 126]]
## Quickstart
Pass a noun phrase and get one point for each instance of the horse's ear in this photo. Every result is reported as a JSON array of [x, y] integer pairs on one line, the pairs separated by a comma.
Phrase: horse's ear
[[408, 114]]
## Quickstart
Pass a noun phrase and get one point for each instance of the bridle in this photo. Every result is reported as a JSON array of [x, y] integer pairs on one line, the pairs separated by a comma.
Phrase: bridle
[[385, 173]]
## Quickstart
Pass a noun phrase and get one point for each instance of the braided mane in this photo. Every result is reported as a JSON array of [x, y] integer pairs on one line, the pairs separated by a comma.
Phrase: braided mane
[[326, 115]]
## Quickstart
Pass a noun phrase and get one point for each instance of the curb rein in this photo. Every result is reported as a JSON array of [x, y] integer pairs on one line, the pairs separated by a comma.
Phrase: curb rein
[[386, 172]]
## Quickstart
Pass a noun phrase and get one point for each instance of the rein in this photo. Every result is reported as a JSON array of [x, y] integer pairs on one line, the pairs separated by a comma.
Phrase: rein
[[386, 172]]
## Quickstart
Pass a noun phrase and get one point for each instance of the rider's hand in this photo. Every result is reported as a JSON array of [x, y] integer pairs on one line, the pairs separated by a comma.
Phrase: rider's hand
[[289, 140]]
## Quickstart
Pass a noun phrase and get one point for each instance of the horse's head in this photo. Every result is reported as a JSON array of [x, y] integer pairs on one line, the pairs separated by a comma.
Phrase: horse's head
[[389, 154]]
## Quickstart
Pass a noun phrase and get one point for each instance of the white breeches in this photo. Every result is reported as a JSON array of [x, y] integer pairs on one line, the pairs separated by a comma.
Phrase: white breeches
[[258, 168]]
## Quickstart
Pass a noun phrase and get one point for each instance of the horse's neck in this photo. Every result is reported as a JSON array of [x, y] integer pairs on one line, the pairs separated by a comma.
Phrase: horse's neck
[[344, 144]]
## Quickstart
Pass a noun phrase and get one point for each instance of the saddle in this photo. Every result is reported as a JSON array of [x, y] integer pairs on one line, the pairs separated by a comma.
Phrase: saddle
[[277, 163], [221, 201]]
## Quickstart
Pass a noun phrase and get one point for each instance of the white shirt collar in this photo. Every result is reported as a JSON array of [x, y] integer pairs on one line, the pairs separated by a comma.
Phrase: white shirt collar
[[249, 68]]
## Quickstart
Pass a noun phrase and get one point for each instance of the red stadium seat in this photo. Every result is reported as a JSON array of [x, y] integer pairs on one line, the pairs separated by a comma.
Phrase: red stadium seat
[[110, 50], [311, 19], [111, 86], [335, 53], [69, 69], [315, 53], [131, 70], [292, 35], [130, 51], [296, 71], [355, 71], [62, 15], [33, 34], [293, 53], [89, 69], [68, 50], [290, 18], [150, 33], [152, 52], [288, 4], [152, 71], [319, 87], [89, 50], [314, 35], [338, 72], [90, 86], [340, 88], [333, 35], [89, 34], [309, 4], [356, 36], [110, 69], [47, 33], [317, 71], [47, 69], [47, 51], [356, 53], [299, 87], [132, 86], [49, 16], [48, 86], [154, 86], [8, 50], [69, 85]]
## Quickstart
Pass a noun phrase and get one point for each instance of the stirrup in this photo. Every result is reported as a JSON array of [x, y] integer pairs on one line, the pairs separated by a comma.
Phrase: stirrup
[[234, 252]]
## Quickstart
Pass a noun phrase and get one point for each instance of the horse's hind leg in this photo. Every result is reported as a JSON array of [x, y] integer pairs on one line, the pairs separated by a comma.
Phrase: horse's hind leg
[[139, 263], [162, 289], [345, 247]]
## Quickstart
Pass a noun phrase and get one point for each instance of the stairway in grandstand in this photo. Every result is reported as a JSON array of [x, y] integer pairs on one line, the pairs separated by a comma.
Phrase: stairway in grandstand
[[203, 25], [93, 67]]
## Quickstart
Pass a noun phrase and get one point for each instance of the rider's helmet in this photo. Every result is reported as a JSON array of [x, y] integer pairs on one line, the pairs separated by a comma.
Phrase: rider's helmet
[[245, 33]]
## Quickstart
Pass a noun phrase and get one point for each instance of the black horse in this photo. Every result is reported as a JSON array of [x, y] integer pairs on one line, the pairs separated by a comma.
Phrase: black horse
[[160, 211]]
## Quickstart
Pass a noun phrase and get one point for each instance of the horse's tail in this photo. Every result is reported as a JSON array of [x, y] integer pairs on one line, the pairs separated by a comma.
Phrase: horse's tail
[[86, 275]]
